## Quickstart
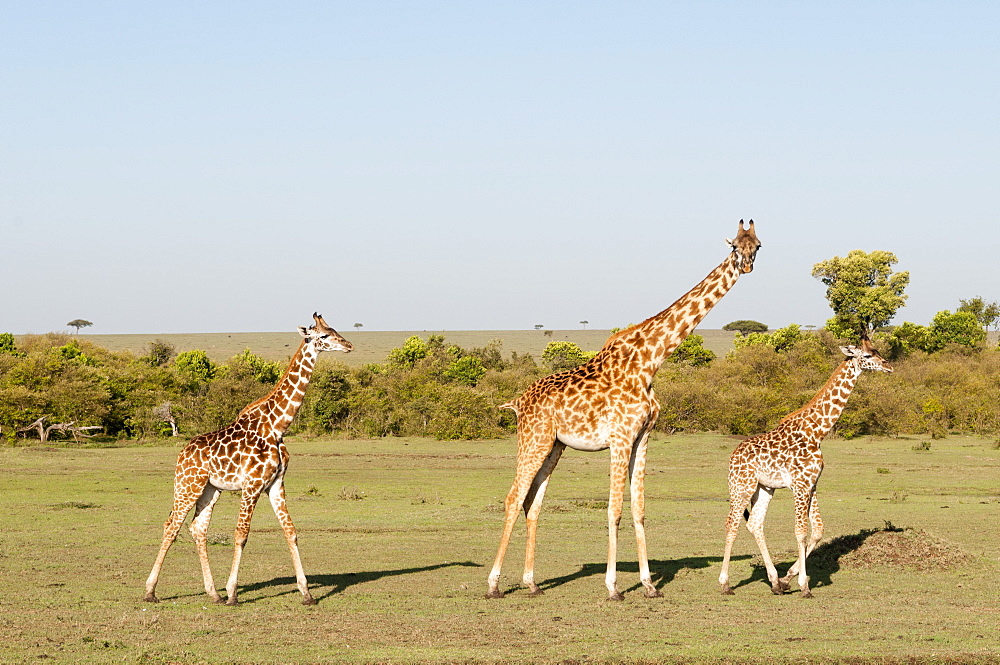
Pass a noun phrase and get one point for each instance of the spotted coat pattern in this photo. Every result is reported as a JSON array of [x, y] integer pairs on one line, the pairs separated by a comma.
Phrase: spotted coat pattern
[[607, 403], [790, 456], [249, 456]]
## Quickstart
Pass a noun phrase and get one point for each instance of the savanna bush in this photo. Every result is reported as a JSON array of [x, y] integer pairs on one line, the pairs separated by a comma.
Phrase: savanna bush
[[431, 388]]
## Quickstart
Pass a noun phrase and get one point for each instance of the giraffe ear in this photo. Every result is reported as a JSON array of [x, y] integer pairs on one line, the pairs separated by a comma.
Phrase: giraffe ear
[[729, 242], [850, 351], [303, 331]]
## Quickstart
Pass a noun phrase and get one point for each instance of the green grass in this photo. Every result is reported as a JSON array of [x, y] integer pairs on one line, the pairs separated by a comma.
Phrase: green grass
[[373, 346], [397, 537]]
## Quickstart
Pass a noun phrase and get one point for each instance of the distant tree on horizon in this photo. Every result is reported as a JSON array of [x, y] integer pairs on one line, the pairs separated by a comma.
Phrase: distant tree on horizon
[[358, 326], [584, 324], [746, 326], [538, 326], [79, 323]]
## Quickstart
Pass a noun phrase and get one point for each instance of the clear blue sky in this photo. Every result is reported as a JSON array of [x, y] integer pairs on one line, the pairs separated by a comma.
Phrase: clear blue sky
[[188, 167]]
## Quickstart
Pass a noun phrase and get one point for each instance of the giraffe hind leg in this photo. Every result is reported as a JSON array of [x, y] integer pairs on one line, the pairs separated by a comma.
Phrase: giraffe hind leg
[[248, 501], [184, 500], [762, 497], [739, 497], [533, 449], [532, 507], [199, 532]]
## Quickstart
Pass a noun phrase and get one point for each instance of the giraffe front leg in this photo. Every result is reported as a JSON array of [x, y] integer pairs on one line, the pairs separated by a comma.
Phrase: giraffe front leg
[[803, 501], [277, 496], [637, 468], [183, 501], [199, 532], [240, 536], [816, 535], [619, 470]]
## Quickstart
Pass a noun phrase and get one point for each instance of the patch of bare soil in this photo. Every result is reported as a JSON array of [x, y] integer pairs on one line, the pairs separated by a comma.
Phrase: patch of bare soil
[[904, 548]]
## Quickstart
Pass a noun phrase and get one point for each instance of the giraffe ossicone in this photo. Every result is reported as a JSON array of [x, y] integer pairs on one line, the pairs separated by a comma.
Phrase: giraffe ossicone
[[607, 403], [789, 456], [247, 455]]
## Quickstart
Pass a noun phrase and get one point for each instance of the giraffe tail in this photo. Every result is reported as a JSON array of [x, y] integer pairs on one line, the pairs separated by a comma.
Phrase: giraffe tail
[[512, 405]]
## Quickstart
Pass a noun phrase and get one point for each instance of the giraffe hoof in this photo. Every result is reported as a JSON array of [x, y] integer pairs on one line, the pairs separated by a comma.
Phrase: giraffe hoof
[[616, 596], [151, 598], [777, 590], [232, 602], [494, 593], [784, 584], [806, 593], [309, 600], [655, 593], [536, 592], [726, 591]]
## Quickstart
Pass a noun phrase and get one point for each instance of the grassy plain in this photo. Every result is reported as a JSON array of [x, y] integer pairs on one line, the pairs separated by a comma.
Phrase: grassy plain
[[400, 572], [373, 346]]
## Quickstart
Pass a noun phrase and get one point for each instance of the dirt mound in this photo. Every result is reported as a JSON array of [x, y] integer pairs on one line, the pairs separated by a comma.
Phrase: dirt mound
[[903, 548]]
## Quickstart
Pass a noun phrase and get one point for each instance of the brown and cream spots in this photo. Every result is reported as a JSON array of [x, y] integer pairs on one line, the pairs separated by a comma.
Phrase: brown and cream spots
[[249, 456], [607, 403], [790, 456]]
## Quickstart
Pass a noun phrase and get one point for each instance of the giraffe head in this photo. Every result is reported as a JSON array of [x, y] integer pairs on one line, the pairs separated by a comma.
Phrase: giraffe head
[[323, 337], [745, 246], [866, 357]]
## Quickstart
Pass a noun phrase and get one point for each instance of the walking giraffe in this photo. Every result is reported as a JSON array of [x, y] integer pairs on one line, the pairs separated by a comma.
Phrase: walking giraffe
[[249, 456], [789, 456], [607, 402]]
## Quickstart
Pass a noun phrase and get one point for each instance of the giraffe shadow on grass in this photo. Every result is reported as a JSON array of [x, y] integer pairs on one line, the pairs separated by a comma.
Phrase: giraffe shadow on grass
[[824, 562], [324, 586], [663, 571]]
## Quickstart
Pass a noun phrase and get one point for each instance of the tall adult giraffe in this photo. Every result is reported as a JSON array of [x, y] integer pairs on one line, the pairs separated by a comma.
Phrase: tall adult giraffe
[[607, 402], [250, 456], [789, 456]]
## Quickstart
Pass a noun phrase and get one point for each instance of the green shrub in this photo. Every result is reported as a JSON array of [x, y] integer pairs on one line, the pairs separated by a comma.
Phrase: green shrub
[[562, 356], [692, 351]]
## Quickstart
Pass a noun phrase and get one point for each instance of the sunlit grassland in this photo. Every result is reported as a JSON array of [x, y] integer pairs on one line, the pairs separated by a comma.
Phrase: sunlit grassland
[[374, 346], [397, 536]]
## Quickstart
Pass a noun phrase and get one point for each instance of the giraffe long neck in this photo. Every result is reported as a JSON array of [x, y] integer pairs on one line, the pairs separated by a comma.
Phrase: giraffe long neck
[[656, 338], [825, 408], [277, 409]]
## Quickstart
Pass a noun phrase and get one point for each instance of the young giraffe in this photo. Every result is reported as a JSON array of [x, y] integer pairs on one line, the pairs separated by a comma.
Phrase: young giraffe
[[250, 456], [607, 402], [789, 456]]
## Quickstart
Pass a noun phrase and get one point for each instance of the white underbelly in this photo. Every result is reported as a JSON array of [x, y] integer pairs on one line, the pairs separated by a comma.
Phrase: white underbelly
[[587, 444], [775, 480], [226, 484]]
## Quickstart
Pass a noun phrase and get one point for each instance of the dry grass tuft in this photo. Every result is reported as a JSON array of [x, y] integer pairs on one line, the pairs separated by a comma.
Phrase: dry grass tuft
[[905, 548]]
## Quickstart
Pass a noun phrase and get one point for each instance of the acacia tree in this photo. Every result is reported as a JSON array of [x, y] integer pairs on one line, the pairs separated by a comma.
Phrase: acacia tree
[[79, 323], [746, 326], [863, 291]]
